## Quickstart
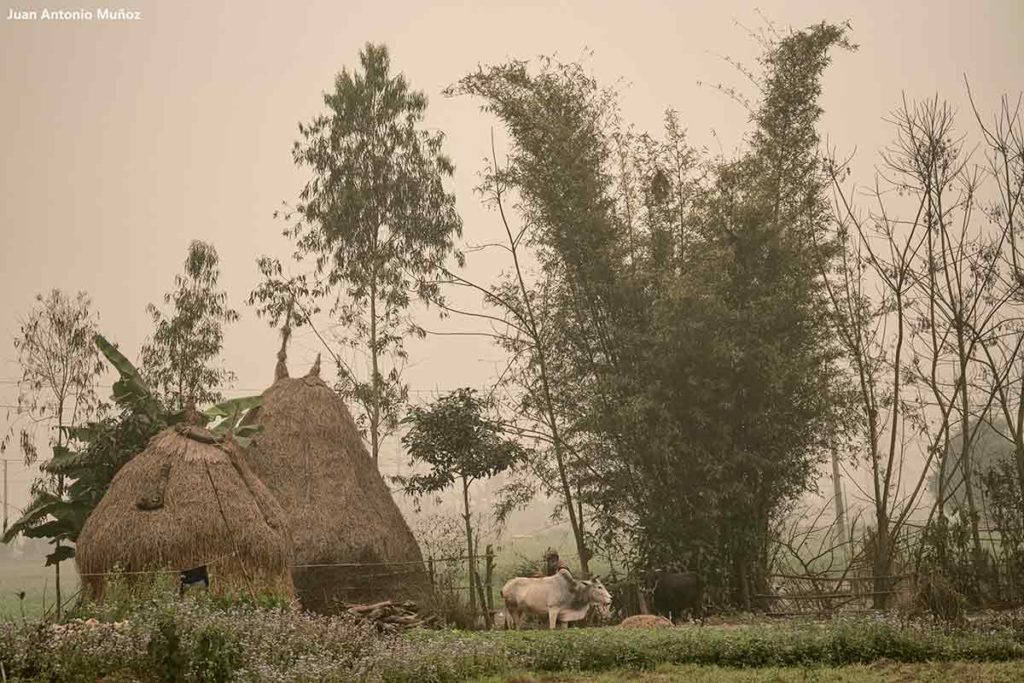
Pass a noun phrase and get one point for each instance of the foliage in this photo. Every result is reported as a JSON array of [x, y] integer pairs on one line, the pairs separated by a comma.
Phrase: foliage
[[936, 595], [947, 559], [59, 367], [674, 351], [282, 645], [991, 449], [166, 658], [458, 441], [58, 362], [217, 656], [179, 360], [377, 220], [560, 325], [103, 446], [1006, 503], [228, 418], [129, 390], [742, 390]]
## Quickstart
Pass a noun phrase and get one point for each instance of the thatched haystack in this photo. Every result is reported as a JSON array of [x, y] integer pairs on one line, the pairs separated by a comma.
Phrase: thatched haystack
[[312, 459], [186, 501]]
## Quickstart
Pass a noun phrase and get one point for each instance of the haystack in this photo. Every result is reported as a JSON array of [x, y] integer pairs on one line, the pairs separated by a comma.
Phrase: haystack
[[188, 500], [312, 459]]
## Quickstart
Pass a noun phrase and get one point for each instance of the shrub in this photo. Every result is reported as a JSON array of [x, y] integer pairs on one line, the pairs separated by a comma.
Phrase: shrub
[[195, 640], [166, 659], [937, 596], [217, 656]]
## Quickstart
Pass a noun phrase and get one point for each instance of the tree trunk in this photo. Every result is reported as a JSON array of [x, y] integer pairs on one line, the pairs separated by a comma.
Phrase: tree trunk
[[837, 491], [549, 404], [470, 560], [744, 583], [374, 380], [60, 495], [882, 565], [966, 457]]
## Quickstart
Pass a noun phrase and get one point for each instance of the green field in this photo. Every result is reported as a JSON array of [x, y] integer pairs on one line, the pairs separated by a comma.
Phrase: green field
[[881, 672], [29, 575], [36, 582]]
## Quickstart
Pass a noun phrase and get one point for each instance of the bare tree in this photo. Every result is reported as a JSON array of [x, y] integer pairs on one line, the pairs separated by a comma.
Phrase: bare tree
[[59, 366], [1003, 347]]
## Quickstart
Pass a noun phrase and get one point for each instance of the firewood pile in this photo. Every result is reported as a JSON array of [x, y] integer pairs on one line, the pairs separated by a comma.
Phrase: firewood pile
[[392, 616]]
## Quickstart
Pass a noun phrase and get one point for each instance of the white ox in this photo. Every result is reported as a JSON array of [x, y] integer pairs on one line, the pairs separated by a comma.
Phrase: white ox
[[561, 597]]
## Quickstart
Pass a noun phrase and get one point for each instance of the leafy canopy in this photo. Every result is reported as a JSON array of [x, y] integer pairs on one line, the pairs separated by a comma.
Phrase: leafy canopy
[[456, 439], [180, 359], [377, 221]]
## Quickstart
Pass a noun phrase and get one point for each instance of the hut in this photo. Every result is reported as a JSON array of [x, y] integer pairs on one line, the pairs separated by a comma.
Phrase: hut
[[351, 542], [189, 501]]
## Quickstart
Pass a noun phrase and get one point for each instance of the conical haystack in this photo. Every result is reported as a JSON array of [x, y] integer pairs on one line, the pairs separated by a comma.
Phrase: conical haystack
[[187, 501], [312, 459]]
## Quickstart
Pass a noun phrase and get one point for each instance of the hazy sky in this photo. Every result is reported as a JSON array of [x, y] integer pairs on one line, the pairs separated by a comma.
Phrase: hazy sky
[[124, 141]]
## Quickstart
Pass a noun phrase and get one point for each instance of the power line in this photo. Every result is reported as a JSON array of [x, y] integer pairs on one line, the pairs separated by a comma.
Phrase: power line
[[224, 390]]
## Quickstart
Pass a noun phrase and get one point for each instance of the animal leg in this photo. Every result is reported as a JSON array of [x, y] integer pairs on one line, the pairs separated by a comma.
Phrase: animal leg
[[552, 618]]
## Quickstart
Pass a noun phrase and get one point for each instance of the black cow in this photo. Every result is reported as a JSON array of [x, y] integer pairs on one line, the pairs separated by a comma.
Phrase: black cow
[[674, 594]]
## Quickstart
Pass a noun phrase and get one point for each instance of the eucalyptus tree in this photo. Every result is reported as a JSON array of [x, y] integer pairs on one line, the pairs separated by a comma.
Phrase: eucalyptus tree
[[181, 358], [378, 222]]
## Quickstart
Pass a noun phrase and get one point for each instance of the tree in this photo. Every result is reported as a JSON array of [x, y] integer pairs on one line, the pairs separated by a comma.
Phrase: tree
[[59, 366], [378, 220], [674, 350], [460, 444], [922, 303], [559, 148], [180, 359]]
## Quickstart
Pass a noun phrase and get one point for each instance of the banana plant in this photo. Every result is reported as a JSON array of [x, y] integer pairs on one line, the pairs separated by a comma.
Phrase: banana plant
[[104, 446], [229, 417], [131, 392]]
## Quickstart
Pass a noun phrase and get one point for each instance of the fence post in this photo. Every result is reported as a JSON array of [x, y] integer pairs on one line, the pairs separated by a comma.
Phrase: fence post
[[488, 579], [430, 570], [488, 617]]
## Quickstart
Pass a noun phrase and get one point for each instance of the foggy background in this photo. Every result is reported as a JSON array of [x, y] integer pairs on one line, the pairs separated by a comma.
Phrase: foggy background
[[124, 141]]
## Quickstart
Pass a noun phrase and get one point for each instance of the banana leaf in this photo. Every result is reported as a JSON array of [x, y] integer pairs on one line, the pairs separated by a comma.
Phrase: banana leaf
[[130, 390], [230, 415]]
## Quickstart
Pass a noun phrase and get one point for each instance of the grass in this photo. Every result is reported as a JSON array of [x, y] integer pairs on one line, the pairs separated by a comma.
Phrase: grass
[[201, 634], [799, 644], [36, 581], [880, 672]]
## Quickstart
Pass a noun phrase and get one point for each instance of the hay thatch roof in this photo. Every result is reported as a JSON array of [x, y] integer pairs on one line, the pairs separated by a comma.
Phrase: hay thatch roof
[[183, 502], [312, 459]]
